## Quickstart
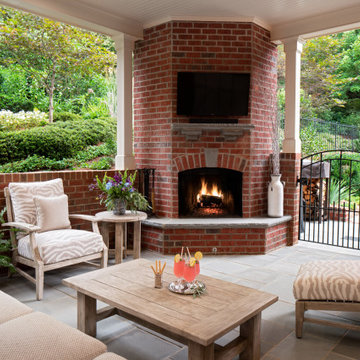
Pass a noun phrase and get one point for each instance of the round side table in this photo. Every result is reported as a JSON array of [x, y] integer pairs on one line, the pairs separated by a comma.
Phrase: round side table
[[107, 217]]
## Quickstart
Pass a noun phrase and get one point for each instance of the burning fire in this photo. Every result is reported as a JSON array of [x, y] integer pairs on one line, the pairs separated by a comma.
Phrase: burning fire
[[204, 191]]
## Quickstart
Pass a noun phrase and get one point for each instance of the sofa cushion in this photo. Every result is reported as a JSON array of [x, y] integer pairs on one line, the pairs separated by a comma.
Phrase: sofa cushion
[[328, 280], [37, 336], [11, 308], [22, 197], [52, 213], [60, 245], [109, 356]]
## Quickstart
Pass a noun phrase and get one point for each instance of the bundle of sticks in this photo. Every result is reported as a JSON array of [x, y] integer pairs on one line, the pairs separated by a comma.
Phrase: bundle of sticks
[[158, 269]]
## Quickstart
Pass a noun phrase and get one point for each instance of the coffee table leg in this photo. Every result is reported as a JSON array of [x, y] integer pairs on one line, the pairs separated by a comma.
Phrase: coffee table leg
[[137, 239], [86, 314], [200, 352], [251, 331], [119, 242]]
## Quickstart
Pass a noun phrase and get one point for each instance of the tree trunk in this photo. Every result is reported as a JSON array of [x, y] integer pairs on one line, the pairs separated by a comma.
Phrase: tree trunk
[[51, 105], [51, 97]]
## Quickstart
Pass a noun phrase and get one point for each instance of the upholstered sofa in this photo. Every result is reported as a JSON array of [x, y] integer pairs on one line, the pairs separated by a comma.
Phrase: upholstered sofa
[[30, 335]]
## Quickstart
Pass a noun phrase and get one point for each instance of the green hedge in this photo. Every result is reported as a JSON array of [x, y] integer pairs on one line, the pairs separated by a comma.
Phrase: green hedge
[[66, 116], [83, 159], [15, 105], [55, 141]]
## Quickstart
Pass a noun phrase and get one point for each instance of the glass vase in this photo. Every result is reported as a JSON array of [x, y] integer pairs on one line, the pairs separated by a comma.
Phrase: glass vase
[[119, 207]]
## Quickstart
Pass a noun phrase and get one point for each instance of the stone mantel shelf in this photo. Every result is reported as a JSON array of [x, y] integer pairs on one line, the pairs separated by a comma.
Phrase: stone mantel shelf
[[231, 132], [216, 223]]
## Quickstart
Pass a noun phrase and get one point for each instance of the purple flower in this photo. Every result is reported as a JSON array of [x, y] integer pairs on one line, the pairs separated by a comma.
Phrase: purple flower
[[117, 178], [109, 185]]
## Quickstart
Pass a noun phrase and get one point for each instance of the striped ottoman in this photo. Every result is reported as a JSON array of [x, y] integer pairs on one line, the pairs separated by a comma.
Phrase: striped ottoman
[[327, 285]]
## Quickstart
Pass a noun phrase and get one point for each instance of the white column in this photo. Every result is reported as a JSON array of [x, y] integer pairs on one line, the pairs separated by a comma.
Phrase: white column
[[293, 49], [125, 155]]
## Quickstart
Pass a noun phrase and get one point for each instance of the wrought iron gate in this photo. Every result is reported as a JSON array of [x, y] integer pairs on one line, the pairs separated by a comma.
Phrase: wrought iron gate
[[330, 198]]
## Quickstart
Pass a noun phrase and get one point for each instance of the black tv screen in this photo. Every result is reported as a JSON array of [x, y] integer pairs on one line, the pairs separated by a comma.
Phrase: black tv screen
[[207, 94]]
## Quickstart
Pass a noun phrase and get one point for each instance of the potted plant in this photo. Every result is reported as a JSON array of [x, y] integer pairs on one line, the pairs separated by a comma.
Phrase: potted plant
[[276, 186], [118, 193]]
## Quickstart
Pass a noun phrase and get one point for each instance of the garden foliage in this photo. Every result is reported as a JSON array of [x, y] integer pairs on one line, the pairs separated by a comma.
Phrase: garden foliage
[[22, 120], [81, 160], [345, 173], [51, 53], [55, 141]]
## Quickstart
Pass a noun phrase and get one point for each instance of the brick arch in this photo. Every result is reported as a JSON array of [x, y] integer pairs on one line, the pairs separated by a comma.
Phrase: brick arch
[[188, 161], [233, 162], [193, 161]]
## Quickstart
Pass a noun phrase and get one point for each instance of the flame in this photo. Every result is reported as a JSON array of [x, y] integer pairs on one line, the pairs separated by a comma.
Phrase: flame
[[204, 190]]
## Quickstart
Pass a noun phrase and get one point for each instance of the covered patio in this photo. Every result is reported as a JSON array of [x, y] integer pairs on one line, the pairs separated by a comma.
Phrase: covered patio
[[155, 40]]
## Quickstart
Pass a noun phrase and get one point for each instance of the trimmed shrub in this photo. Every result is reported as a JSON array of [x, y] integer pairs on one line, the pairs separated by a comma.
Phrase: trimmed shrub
[[55, 141], [81, 160], [66, 116], [15, 105]]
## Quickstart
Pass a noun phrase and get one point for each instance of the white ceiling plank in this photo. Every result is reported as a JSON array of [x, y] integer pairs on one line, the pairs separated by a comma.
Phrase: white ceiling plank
[[284, 18], [327, 23]]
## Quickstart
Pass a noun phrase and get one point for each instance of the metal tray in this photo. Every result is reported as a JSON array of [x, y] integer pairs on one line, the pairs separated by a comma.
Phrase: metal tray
[[185, 288]]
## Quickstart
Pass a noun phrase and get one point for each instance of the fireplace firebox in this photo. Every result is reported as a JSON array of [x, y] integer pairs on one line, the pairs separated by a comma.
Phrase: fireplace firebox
[[210, 192]]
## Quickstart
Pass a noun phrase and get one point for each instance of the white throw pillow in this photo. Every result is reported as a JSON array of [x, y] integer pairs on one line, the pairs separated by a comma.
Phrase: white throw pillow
[[52, 213]]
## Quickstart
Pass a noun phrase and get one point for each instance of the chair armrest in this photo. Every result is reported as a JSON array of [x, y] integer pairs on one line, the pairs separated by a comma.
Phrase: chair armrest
[[22, 226], [84, 217], [94, 220]]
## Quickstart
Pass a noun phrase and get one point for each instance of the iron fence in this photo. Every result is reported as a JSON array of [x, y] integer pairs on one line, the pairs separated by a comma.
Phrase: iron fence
[[333, 135]]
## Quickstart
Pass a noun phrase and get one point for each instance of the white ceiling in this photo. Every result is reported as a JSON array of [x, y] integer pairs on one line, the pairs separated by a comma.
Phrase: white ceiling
[[284, 18]]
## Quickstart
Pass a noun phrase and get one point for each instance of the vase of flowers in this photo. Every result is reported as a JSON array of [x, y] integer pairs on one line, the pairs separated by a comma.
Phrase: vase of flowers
[[118, 193]]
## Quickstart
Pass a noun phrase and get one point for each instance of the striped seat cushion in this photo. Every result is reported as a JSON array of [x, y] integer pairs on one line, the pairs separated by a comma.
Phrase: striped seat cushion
[[328, 280], [60, 245]]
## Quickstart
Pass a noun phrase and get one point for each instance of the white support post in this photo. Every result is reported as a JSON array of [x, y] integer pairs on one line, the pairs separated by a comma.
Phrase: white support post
[[293, 49], [125, 156]]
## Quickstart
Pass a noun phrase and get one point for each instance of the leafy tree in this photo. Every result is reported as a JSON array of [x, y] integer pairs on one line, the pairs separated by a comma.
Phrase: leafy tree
[[52, 53], [330, 84], [319, 72]]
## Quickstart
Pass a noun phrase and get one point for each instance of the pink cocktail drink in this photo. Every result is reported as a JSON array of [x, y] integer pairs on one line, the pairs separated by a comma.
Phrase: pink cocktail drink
[[189, 273], [179, 268], [197, 268]]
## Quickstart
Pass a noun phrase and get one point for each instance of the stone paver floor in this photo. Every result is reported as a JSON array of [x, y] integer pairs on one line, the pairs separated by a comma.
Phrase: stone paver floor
[[274, 272]]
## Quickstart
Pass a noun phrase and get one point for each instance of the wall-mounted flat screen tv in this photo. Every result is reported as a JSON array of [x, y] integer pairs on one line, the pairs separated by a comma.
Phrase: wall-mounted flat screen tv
[[212, 94]]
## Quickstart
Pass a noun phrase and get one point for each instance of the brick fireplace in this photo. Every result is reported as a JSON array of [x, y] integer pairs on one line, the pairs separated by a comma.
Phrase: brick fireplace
[[179, 146]]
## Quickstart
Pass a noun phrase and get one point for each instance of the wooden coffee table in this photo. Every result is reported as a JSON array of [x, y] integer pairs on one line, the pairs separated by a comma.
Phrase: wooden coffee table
[[129, 290]]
